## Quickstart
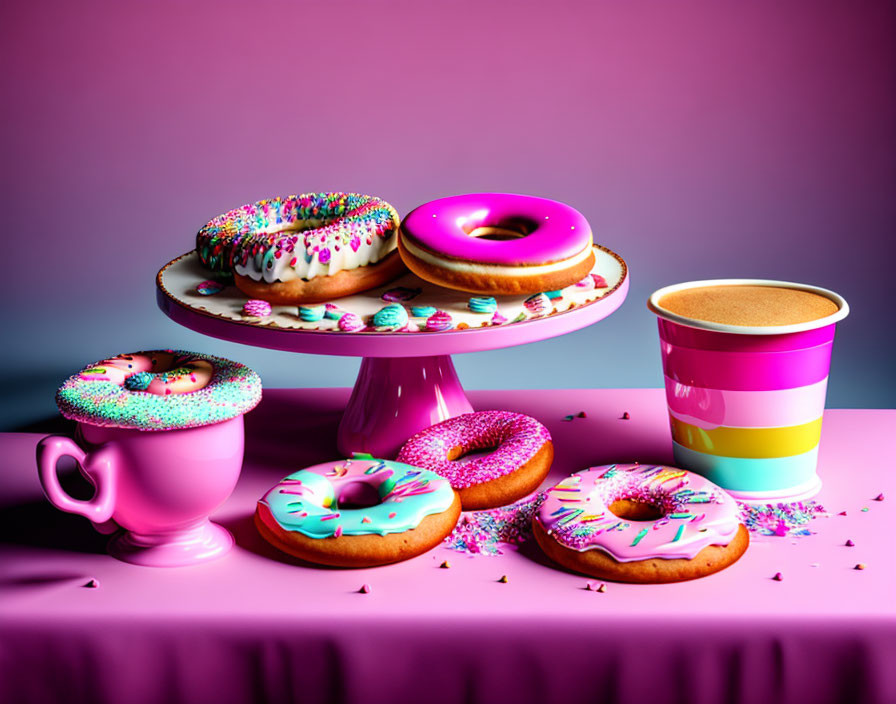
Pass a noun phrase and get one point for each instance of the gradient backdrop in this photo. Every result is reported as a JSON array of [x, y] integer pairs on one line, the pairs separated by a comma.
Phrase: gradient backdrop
[[701, 139]]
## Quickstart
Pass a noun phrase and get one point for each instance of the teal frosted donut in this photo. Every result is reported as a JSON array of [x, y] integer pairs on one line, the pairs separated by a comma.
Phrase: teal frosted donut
[[159, 390], [358, 513]]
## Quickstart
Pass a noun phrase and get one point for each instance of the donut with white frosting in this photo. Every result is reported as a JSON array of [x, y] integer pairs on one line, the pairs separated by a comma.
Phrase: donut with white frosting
[[306, 248], [497, 243]]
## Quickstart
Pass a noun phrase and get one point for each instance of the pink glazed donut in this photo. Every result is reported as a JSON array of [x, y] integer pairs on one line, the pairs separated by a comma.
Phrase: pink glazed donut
[[519, 456], [497, 243], [644, 524]]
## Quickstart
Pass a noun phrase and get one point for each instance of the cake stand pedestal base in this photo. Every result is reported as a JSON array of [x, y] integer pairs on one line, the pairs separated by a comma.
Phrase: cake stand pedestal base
[[395, 397]]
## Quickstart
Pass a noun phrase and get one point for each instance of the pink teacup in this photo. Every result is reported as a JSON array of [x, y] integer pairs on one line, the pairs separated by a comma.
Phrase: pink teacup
[[159, 487], [160, 438]]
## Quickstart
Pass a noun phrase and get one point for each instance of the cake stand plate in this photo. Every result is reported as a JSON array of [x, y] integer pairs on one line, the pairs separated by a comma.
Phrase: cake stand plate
[[407, 380]]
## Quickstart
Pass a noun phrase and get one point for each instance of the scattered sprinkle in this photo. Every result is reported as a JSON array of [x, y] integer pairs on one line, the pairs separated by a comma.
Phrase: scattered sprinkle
[[782, 519], [504, 579], [602, 588], [842, 513], [860, 566], [588, 587], [864, 509], [568, 418], [582, 414], [849, 543], [445, 565], [626, 416], [365, 589], [92, 584], [879, 497], [778, 577], [481, 532]]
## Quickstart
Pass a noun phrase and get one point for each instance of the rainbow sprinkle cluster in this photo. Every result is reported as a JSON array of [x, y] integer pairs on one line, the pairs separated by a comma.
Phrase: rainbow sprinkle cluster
[[481, 532], [233, 390], [781, 519], [274, 228]]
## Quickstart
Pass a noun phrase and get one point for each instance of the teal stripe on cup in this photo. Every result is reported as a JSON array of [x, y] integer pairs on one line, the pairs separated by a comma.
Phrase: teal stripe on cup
[[749, 475]]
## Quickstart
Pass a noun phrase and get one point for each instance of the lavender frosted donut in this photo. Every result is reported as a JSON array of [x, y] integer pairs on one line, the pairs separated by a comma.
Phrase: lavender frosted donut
[[500, 243], [519, 456]]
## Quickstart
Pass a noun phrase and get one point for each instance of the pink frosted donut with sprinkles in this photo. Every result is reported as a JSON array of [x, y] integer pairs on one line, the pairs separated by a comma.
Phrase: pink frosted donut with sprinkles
[[641, 524], [497, 243], [491, 458], [159, 390], [306, 248]]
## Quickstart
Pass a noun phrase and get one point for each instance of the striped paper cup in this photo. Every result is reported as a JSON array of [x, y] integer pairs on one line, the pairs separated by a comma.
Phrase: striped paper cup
[[746, 403]]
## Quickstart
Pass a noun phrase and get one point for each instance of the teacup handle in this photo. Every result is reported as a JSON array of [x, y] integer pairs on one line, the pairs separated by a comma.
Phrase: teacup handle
[[96, 467]]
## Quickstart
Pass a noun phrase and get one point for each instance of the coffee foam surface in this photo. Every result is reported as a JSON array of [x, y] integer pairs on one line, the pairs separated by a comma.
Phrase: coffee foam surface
[[750, 306]]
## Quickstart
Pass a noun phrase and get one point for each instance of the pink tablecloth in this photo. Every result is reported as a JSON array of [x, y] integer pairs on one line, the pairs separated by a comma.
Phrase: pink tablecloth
[[257, 626]]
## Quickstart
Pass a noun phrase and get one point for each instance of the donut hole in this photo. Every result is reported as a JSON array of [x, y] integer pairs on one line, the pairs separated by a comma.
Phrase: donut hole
[[506, 229], [357, 495], [463, 456], [632, 510]]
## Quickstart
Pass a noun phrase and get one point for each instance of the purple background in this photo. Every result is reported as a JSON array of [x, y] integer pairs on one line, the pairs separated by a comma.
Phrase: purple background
[[701, 140]]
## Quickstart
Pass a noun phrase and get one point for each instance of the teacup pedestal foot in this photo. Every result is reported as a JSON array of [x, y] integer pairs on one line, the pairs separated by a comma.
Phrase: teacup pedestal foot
[[198, 543]]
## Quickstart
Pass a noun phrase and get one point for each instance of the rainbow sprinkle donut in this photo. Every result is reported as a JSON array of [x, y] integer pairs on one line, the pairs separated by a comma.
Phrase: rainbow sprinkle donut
[[358, 513], [640, 523], [519, 456], [304, 248], [159, 390]]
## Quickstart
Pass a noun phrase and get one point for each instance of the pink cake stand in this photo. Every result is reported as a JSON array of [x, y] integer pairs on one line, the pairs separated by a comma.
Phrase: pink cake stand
[[407, 381]]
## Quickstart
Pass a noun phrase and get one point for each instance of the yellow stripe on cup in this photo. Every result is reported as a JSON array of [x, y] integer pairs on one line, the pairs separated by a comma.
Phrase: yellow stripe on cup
[[752, 443]]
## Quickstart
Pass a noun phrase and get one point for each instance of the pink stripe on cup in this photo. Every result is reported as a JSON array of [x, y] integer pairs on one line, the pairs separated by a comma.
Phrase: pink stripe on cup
[[683, 336], [778, 408], [746, 371]]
